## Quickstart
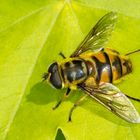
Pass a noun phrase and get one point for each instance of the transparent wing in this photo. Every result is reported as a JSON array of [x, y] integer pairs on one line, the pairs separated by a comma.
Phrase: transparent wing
[[99, 34], [114, 100]]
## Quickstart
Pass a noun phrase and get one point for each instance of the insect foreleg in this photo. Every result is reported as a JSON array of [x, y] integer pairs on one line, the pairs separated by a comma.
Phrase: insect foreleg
[[62, 55], [62, 99], [75, 105]]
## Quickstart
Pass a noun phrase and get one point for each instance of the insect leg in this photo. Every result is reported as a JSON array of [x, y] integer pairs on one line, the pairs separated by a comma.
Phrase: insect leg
[[133, 52], [75, 105], [62, 55], [62, 99], [135, 99]]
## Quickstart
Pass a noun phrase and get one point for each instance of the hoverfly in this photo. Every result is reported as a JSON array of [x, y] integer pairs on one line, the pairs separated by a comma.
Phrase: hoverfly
[[93, 68]]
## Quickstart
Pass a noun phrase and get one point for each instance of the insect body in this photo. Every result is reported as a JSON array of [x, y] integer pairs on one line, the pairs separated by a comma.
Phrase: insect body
[[93, 69], [107, 66], [104, 66]]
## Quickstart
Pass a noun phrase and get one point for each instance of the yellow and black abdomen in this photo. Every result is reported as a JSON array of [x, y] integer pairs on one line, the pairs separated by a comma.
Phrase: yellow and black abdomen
[[121, 65], [108, 66]]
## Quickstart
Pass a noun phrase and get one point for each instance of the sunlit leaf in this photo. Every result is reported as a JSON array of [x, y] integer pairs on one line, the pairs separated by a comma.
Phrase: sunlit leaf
[[32, 33]]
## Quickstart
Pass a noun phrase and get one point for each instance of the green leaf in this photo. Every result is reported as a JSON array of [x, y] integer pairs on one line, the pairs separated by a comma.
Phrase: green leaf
[[32, 33]]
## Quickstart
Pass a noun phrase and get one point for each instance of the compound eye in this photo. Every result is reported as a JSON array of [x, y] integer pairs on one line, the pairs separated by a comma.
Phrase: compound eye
[[53, 68], [55, 79]]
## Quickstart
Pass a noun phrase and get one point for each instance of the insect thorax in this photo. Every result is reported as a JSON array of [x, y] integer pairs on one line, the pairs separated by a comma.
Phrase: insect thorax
[[74, 71]]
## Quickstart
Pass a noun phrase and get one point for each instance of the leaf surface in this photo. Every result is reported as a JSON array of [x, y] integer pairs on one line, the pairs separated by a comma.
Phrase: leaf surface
[[32, 33]]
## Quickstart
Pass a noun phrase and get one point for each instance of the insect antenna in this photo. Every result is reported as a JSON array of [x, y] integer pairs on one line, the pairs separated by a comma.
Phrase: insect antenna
[[62, 55], [135, 99], [133, 52], [45, 76]]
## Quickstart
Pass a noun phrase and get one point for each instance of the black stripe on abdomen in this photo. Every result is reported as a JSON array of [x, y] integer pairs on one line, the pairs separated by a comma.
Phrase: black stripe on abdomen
[[100, 66], [109, 67], [117, 64]]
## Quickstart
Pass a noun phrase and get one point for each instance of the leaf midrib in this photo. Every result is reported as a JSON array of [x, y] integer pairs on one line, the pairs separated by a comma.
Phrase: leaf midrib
[[7, 128]]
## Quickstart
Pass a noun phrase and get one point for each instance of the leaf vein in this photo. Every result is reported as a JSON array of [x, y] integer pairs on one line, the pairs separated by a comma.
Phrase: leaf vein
[[30, 73], [23, 18]]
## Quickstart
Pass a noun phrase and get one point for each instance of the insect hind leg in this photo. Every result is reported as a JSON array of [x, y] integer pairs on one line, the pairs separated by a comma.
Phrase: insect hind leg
[[136, 51], [132, 98]]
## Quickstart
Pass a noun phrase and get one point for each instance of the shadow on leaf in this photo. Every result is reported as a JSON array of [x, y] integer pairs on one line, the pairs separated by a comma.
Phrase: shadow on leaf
[[42, 94]]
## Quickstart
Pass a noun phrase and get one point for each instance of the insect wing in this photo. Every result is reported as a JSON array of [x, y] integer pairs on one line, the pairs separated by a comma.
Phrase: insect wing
[[99, 34], [114, 100]]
